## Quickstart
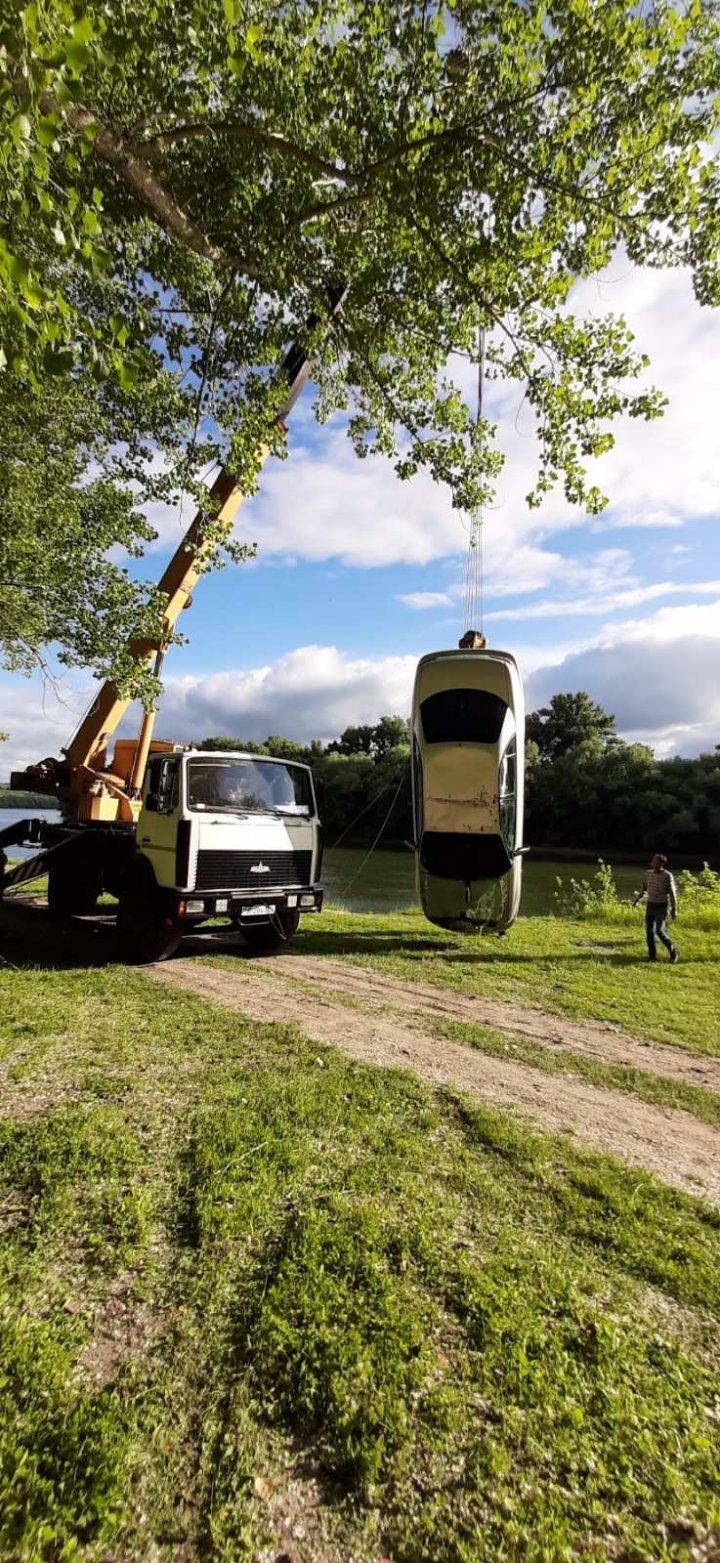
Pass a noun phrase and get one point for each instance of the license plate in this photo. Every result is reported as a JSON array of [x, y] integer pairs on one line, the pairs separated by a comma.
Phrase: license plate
[[257, 911]]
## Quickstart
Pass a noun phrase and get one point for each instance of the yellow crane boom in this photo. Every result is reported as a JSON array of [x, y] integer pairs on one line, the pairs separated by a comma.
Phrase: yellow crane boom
[[83, 778]]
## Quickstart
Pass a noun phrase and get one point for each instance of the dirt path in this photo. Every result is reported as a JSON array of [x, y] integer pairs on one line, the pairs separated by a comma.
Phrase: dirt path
[[671, 1144], [420, 1000]]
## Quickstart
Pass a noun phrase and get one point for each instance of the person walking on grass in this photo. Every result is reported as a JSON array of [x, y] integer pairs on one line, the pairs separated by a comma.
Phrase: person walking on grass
[[658, 888]]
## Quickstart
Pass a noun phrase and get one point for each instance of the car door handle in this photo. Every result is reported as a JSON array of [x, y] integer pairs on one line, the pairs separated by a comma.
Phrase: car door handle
[[145, 841]]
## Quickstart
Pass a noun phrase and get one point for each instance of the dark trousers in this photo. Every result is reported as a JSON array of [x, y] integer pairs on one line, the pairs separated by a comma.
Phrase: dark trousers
[[655, 916]]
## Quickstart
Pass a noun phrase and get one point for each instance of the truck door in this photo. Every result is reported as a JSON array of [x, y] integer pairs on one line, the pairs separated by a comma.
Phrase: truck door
[[158, 820]]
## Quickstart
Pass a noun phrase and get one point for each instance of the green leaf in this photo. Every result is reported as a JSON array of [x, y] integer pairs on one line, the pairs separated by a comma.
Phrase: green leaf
[[252, 39], [91, 223], [77, 55], [127, 372], [47, 129], [21, 130], [83, 29], [119, 329], [57, 362]]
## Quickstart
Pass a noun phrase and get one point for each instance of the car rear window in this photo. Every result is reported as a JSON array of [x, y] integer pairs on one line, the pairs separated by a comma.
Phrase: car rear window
[[472, 716], [453, 855]]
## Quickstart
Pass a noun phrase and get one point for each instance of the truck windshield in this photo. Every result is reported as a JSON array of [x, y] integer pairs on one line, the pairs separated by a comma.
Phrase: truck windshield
[[248, 787]]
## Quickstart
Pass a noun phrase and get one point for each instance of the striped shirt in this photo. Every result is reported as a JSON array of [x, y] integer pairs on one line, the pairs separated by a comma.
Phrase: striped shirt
[[659, 888]]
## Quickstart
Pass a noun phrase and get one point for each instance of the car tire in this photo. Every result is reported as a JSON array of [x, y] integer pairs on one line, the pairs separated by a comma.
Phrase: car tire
[[273, 935]]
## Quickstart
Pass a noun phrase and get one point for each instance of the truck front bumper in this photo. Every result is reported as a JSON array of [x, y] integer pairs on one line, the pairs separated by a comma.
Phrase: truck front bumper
[[250, 908]]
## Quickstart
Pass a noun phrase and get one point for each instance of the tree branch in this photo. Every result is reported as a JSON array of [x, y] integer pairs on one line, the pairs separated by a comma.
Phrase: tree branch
[[359, 182], [133, 170], [246, 130]]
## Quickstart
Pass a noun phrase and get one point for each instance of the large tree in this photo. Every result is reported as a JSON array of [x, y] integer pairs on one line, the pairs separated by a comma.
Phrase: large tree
[[567, 722], [184, 184]]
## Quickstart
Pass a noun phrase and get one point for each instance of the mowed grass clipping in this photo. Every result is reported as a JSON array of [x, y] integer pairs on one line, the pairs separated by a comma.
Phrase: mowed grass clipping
[[589, 969], [255, 1296]]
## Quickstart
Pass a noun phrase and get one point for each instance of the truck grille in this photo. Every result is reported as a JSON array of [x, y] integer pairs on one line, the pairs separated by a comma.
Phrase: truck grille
[[234, 870]]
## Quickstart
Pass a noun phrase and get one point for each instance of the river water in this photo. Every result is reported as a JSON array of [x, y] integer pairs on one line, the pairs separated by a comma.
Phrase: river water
[[386, 883]]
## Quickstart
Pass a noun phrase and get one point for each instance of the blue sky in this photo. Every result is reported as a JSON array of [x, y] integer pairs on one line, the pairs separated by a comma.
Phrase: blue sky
[[357, 574]]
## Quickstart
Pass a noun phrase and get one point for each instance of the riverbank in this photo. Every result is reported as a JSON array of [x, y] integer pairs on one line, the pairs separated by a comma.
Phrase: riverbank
[[561, 855], [262, 1299]]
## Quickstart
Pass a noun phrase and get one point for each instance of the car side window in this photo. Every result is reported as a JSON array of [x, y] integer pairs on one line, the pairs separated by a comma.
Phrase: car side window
[[507, 790], [417, 792]]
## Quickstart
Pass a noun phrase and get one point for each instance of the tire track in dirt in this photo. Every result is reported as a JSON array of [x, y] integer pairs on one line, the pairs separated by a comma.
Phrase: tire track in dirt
[[606, 1043], [672, 1144]]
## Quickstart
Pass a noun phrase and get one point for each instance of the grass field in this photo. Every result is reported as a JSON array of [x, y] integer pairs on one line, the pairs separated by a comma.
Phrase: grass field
[[592, 969], [256, 1300]]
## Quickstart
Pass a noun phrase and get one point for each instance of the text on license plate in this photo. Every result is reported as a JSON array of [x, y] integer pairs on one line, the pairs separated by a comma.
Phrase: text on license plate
[[258, 911]]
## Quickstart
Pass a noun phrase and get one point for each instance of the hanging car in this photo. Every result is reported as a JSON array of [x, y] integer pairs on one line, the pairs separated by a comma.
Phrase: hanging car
[[468, 722]]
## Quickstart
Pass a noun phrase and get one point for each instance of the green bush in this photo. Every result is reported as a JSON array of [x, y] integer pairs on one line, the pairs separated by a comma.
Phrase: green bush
[[700, 894], [596, 897], [698, 897]]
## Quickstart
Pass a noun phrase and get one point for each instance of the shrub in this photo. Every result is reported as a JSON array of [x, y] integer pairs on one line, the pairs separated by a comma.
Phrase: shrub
[[698, 897], [596, 897]]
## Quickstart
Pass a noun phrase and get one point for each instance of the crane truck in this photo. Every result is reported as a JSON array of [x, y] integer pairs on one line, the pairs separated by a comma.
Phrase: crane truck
[[176, 835]]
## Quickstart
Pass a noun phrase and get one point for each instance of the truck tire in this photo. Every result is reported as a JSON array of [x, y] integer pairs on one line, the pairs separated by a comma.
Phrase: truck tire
[[73, 892], [147, 930], [273, 935]]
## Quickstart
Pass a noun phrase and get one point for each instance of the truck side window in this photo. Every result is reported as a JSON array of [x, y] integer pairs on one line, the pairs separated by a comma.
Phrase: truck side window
[[161, 795]]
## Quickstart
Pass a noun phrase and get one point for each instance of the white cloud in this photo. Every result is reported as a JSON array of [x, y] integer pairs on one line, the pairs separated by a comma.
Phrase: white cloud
[[324, 503], [310, 692], [425, 599], [659, 676], [630, 597], [39, 720], [670, 624]]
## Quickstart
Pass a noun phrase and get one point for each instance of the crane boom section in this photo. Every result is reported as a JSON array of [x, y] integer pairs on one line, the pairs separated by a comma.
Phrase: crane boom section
[[89, 742], [98, 792]]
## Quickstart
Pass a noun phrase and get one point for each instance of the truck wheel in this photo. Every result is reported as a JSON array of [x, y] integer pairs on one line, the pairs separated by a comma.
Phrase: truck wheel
[[271, 936], [147, 931], [73, 893]]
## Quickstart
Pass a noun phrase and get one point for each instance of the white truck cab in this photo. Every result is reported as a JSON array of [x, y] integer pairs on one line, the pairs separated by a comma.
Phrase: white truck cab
[[221, 834]]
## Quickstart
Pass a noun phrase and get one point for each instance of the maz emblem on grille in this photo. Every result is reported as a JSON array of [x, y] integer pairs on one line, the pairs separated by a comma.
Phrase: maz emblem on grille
[[260, 868]]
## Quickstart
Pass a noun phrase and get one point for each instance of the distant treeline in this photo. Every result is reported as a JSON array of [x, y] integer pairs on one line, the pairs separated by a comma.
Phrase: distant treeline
[[585, 787], [23, 800]]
